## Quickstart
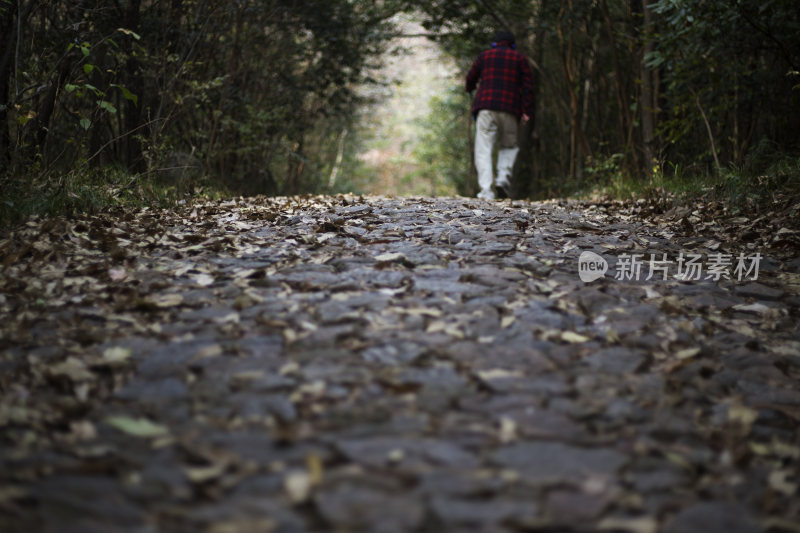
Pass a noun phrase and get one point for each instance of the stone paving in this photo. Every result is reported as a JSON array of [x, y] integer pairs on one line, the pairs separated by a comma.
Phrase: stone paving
[[388, 365]]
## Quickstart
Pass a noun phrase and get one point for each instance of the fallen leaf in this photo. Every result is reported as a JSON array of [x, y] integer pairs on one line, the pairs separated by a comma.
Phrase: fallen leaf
[[116, 355], [203, 474], [137, 427], [230, 318], [117, 274], [498, 373], [203, 280], [440, 326], [298, 486], [573, 338], [744, 416], [419, 311], [10, 493], [508, 430], [83, 430], [507, 321], [314, 464], [612, 336], [436, 326], [243, 301], [755, 308], [82, 392], [649, 292], [687, 353], [215, 350], [396, 455], [167, 300], [785, 450], [779, 481], [393, 257], [644, 524], [245, 273], [241, 379], [243, 523], [289, 369], [72, 368], [775, 523]]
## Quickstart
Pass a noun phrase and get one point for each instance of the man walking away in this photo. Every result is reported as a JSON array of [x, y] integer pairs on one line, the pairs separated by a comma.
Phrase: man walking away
[[505, 96]]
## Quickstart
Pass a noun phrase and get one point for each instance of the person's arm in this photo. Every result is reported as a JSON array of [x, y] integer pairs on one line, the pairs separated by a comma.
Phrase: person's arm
[[526, 90], [474, 74]]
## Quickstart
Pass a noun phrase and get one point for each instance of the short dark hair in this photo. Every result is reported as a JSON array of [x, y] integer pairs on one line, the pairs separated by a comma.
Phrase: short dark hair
[[504, 35]]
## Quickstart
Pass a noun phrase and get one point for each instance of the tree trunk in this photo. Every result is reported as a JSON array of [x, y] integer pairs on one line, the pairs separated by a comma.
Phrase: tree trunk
[[528, 167], [294, 170], [649, 105], [624, 120], [47, 106], [538, 170], [236, 81], [709, 130], [132, 148], [102, 130], [579, 150], [8, 30]]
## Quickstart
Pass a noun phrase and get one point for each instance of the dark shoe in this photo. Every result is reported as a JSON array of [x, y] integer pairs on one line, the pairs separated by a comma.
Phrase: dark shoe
[[503, 190]]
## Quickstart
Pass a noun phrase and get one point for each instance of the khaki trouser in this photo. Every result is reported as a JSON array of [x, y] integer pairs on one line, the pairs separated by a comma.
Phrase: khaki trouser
[[490, 124]]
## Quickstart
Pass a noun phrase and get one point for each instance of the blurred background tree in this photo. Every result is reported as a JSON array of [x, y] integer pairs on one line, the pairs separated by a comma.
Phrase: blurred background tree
[[101, 101], [253, 94], [628, 87]]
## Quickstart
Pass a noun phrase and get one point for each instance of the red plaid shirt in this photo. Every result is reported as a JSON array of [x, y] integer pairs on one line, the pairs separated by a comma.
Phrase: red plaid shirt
[[506, 81]]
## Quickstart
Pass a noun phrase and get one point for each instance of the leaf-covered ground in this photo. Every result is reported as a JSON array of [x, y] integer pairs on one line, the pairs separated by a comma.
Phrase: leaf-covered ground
[[379, 364]]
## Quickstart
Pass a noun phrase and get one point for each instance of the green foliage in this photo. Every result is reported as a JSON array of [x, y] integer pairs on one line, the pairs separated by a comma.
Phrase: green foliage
[[768, 176], [622, 86], [725, 67], [768, 173], [606, 169], [245, 90], [90, 190], [253, 95], [443, 150]]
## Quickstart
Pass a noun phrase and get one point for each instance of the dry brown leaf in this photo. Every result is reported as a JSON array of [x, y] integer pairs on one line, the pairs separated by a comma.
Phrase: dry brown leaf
[[73, 368], [687, 353], [298, 485], [204, 474], [781, 481], [643, 524], [573, 338], [167, 300], [117, 274], [116, 355]]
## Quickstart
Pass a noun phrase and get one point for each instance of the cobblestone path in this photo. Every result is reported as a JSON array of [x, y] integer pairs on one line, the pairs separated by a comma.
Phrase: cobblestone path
[[389, 365]]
